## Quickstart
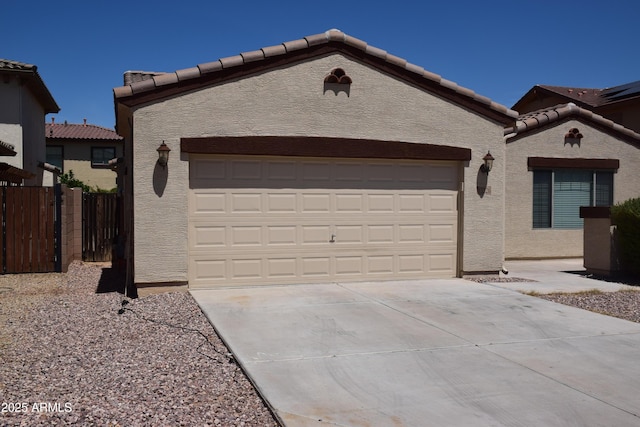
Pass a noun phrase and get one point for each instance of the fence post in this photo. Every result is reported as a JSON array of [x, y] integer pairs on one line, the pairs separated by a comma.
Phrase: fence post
[[58, 226]]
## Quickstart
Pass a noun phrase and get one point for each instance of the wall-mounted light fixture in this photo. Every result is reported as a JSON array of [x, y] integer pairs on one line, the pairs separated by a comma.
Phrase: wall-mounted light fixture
[[163, 154], [488, 163]]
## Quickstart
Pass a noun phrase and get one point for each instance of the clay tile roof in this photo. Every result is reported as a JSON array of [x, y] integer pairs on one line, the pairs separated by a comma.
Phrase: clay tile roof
[[136, 91], [59, 131], [29, 73], [587, 96], [539, 119]]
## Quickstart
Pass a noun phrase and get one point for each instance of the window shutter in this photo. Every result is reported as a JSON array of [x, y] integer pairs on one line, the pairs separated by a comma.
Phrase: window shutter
[[604, 188], [541, 199]]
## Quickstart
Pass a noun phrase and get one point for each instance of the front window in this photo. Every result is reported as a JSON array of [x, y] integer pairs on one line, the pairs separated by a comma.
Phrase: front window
[[100, 156], [54, 156], [559, 193]]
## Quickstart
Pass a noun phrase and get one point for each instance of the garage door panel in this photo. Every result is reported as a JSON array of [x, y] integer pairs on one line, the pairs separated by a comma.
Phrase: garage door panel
[[208, 236], [282, 235], [206, 203], [441, 263], [279, 220], [315, 234], [442, 233], [411, 233], [380, 265], [246, 203], [315, 266], [282, 268], [442, 202], [347, 265], [349, 203], [411, 263], [246, 235], [278, 203], [316, 203]]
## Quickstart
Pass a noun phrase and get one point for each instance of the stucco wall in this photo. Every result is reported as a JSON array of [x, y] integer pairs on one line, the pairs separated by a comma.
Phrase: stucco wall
[[22, 120], [12, 134], [292, 101], [77, 157], [522, 241]]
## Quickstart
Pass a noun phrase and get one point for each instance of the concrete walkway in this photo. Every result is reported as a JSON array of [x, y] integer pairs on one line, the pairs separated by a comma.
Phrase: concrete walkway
[[433, 352]]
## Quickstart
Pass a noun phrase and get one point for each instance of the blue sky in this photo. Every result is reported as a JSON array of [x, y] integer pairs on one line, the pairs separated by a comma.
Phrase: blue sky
[[499, 49]]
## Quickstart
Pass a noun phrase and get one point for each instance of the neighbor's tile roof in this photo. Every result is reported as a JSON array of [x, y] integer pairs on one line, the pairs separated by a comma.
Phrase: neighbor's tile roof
[[80, 131], [33, 80], [541, 118], [137, 83], [586, 97]]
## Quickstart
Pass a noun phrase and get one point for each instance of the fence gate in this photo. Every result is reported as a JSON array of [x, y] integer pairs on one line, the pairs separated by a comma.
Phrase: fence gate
[[28, 237], [99, 225]]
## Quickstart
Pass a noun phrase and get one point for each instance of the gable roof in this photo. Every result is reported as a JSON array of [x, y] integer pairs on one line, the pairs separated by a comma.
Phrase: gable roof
[[585, 97], [537, 120], [58, 131], [145, 87], [32, 78]]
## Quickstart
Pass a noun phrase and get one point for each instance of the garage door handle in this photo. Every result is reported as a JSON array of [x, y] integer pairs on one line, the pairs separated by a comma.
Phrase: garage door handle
[[333, 238]]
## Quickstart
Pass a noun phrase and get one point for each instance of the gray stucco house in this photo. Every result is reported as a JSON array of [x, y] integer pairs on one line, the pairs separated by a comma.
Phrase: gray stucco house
[[325, 159], [24, 102]]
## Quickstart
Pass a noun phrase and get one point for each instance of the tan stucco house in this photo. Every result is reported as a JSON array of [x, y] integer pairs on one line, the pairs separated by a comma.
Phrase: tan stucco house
[[24, 102], [86, 150], [325, 159], [558, 159], [321, 159]]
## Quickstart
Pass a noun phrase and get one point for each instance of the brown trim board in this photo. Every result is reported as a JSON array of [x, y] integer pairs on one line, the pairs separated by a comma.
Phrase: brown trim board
[[568, 163], [302, 146], [595, 212]]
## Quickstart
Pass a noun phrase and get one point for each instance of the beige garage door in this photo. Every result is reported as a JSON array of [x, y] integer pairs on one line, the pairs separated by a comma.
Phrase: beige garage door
[[270, 220]]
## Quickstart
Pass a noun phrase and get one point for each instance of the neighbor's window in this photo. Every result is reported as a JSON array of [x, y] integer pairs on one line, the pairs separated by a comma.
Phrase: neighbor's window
[[100, 156], [558, 195], [54, 156]]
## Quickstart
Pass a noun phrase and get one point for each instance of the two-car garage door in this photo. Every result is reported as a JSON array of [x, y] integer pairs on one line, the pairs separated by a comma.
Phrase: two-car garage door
[[267, 220]]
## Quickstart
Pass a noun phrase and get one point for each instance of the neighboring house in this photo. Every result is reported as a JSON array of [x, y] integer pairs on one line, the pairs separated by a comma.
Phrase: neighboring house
[[620, 104], [559, 159], [321, 159], [84, 149], [24, 102]]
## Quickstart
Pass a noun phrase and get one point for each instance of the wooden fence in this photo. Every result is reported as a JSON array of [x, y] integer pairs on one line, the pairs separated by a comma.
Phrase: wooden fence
[[28, 235], [99, 225]]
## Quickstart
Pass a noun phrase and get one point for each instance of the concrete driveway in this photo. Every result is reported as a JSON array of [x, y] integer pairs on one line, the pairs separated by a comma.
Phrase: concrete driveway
[[434, 352]]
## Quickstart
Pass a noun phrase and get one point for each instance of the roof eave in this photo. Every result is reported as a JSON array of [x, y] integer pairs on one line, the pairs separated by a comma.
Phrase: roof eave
[[170, 84]]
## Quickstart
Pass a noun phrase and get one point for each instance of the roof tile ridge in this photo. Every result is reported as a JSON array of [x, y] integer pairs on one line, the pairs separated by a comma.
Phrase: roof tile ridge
[[332, 35]]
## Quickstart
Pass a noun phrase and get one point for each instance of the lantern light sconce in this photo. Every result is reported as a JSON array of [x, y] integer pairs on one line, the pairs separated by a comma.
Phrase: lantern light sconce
[[488, 163], [163, 154]]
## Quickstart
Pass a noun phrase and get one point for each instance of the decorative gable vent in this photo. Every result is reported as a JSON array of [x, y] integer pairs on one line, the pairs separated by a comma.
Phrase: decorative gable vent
[[573, 137], [573, 133], [338, 76]]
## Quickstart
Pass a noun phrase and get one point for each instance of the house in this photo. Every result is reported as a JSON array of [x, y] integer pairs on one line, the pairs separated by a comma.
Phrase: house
[[320, 159], [558, 159], [24, 102], [620, 104], [86, 150]]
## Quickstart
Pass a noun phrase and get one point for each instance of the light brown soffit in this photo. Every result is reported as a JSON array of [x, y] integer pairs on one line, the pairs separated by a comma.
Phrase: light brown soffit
[[299, 146]]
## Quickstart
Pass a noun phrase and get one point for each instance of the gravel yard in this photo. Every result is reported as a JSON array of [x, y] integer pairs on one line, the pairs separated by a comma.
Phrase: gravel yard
[[71, 356]]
